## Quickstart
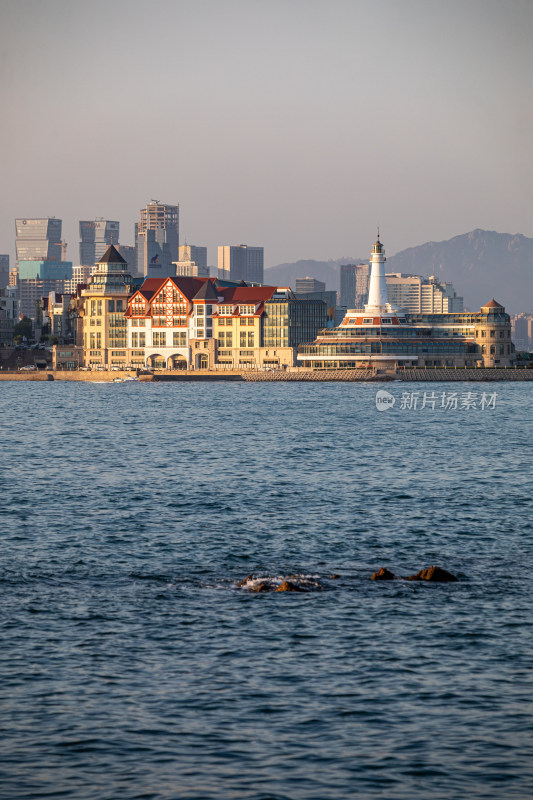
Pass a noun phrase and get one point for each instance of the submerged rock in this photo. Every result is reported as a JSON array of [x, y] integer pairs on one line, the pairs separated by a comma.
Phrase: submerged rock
[[383, 574], [288, 586], [434, 575]]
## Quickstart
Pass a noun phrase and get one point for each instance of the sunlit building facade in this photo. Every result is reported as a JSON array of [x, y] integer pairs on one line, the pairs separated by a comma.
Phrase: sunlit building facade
[[104, 303], [382, 335]]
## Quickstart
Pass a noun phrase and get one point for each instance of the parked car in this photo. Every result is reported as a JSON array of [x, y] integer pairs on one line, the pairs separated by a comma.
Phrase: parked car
[[28, 367]]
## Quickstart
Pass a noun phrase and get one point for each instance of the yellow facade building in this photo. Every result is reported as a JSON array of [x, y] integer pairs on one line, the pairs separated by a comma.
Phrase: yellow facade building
[[104, 303]]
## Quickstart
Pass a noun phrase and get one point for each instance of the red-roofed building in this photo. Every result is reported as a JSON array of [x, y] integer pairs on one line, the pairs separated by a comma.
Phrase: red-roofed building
[[190, 322]]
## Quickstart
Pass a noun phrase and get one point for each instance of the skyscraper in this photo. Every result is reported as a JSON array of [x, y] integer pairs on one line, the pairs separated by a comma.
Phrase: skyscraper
[[95, 237], [4, 271], [192, 252], [307, 284], [38, 239], [157, 240], [240, 263], [192, 261], [348, 276]]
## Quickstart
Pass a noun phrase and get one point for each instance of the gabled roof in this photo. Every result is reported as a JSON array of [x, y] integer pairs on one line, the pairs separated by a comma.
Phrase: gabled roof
[[112, 256], [492, 304], [151, 285], [206, 292]]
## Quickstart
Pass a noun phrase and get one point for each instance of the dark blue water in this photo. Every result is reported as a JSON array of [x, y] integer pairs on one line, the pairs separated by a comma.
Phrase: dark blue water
[[131, 664]]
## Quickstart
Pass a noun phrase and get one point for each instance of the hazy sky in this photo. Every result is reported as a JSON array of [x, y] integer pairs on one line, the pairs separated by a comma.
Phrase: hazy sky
[[294, 124]]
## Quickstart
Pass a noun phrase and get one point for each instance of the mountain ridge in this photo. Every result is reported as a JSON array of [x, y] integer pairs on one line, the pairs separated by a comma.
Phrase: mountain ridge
[[481, 264]]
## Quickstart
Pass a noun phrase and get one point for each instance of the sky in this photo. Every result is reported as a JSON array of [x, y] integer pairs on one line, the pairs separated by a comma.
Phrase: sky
[[298, 125]]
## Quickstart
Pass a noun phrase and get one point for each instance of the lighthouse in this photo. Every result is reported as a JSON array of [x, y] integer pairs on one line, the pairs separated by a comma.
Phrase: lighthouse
[[377, 290]]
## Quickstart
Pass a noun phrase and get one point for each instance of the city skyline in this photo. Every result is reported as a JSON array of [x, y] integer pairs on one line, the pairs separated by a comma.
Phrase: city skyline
[[327, 119]]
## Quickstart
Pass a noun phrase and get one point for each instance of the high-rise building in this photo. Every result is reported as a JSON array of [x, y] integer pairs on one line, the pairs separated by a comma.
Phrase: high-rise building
[[192, 262], [240, 263], [81, 274], [347, 293], [307, 284], [8, 316], [95, 237], [4, 271], [420, 295], [157, 240], [522, 327], [39, 239], [192, 252], [362, 282], [129, 254], [39, 277]]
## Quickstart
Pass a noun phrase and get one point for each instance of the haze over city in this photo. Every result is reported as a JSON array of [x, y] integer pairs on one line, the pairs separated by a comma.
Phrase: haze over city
[[297, 126]]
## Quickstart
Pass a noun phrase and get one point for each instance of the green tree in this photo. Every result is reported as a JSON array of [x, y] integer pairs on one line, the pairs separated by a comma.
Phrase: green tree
[[53, 340], [23, 328]]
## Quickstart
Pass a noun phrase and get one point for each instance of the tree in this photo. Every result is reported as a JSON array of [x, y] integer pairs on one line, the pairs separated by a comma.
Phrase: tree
[[53, 340], [23, 328]]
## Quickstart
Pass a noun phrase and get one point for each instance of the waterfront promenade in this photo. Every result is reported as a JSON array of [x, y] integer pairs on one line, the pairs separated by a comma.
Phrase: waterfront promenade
[[292, 375]]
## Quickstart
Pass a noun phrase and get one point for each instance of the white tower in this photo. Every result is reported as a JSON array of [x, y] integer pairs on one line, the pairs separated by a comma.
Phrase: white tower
[[377, 290]]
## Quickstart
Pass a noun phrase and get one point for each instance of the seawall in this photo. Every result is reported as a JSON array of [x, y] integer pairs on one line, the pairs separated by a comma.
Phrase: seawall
[[354, 375]]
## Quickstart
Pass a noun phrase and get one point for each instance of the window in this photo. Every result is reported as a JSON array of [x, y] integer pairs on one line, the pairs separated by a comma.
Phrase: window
[[250, 338], [483, 334], [160, 339], [135, 340], [221, 338], [111, 305], [229, 339], [243, 321], [99, 308], [225, 310], [246, 310], [243, 339], [368, 321], [118, 305], [142, 339], [492, 334], [98, 340], [179, 339], [250, 320]]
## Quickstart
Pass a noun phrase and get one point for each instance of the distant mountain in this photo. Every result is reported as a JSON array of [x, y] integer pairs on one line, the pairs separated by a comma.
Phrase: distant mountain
[[480, 264], [327, 271]]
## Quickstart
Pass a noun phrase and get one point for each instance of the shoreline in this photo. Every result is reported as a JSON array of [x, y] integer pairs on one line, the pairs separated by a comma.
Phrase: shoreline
[[482, 375]]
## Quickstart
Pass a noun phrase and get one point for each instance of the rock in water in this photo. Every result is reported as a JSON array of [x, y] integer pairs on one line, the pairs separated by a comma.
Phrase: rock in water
[[264, 586], [248, 578], [433, 574], [383, 574], [288, 586]]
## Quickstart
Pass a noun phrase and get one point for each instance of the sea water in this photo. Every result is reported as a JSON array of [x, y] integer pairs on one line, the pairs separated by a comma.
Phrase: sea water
[[133, 666]]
